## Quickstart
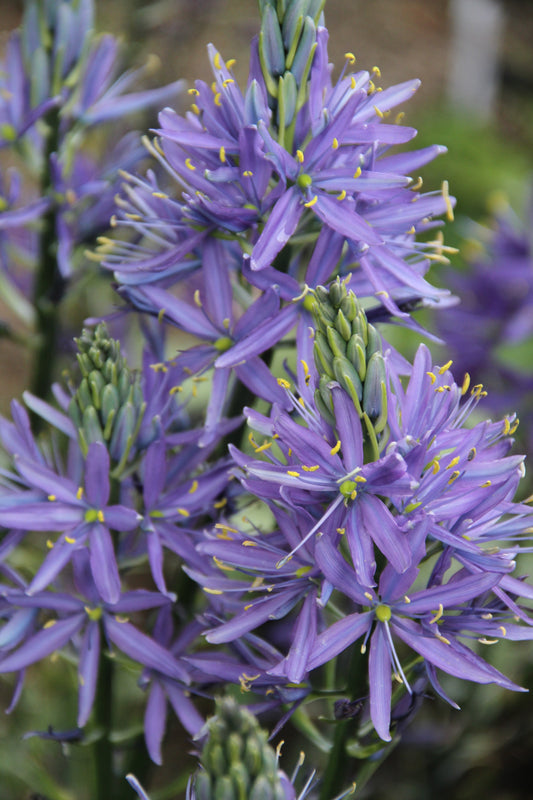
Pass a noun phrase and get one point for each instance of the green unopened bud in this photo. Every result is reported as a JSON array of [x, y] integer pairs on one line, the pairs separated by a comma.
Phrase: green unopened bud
[[373, 386], [237, 761], [271, 43]]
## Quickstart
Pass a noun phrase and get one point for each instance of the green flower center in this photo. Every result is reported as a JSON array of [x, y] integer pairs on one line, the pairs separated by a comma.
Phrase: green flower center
[[304, 180], [347, 488], [383, 613], [94, 614], [223, 344]]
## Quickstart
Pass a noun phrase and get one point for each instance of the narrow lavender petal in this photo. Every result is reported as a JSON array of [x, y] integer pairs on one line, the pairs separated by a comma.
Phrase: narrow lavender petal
[[460, 591], [379, 671], [349, 427], [155, 718], [345, 221], [185, 709], [103, 564], [338, 637], [260, 339], [155, 470], [40, 517], [144, 650], [55, 560], [45, 642], [97, 475], [258, 612], [120, 518], [380, 525], [280, 226], [303, 640], [50, 414], [88, 671]]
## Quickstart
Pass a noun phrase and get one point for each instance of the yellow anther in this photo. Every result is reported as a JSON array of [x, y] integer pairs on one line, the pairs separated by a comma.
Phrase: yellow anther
[[212, 591], [342, 195], [49, 624], [353, 82], [514, 427], [194, 92], [453, 462], [506, 426], [230, 63], [350, 58], [376, 71], [406, 598], [445, 367], [436, 467], [175, 390], [293, 473], [227, 82], [363, 649], [310, 203], [357, 172], [341, 531], [454, 476], [360, 479], [300, 156], [100, 516], [379, 112], [446, 196], [431, 376], [160, 195], [466, 383], [368, 596], [52, 497], [195, 109], [437, 614], [310, 469], [222, 154], [503, 630], [217, 61], [335, 450], [382, 293], [189, 164], [353, 494], [216, 100], [70, 540], [183, 512], [257, 582], [486, 484], [249, 543], [49, 544], [247, 173], [279, 748], [442, 639], [484, 640], [220, 503], [197, 298], [335, 143], [283, 383]]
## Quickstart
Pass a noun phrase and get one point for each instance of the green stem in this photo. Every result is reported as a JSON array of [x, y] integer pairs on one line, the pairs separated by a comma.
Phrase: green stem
[[49, 283], [103, 712], [334, 779]]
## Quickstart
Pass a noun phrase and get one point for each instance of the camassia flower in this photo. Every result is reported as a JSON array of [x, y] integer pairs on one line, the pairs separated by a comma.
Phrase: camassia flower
[[81, 513]]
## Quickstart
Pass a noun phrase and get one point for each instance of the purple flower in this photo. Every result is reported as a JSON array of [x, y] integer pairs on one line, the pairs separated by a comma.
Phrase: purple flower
[[79, 512]]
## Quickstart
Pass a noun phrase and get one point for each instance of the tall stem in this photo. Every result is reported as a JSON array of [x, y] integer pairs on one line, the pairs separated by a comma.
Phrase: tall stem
[[49, 283]]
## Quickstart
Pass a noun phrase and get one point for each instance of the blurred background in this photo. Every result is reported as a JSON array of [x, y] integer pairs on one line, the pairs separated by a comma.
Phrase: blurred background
[[475, 61]]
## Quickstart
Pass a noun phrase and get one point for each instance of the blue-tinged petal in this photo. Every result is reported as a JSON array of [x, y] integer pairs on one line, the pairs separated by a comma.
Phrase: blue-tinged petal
[[261, 310], [139, 600], [361, 548], [46, 641], [344, 220], [303, 641], [112, 107], [184, 709], [217, 295], [103, 564], [310, 448], [348, 425], [155, 470], [281, 224], [406, 163], [338, 637], [182, 314], [41, 517], [97, 475], [374, 132], [453, 593], [155, 719], [15, 629], [257, 377], [155, 557], [88, 671], [21, 216], [142, 649], [40, 477], [50, 414], [55, 560], [120, 518], [377, 522], [265, 335], [255, 614], [379, 677], [453, 658]]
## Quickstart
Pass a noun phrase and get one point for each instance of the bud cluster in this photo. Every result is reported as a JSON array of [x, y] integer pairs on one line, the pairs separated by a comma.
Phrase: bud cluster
[[287, 44], [238, 763], [108, 404], [348, 350]]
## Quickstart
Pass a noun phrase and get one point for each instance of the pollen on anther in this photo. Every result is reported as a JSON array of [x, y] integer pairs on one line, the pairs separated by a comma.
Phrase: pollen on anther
[[334, 450], [350, 58]]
